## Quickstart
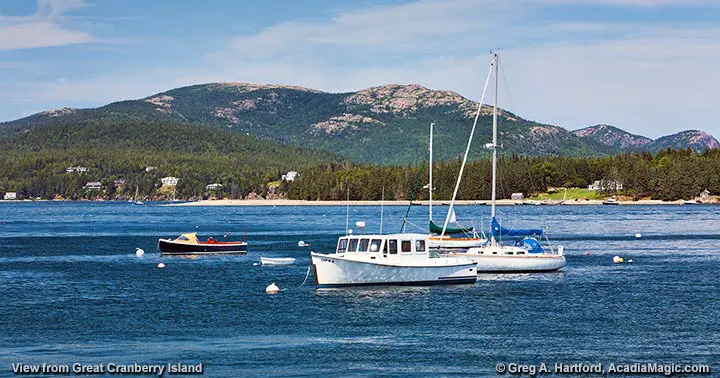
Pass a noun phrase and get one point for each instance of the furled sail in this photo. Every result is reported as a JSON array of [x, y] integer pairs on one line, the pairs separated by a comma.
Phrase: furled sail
[[497, 230], [435, 229]]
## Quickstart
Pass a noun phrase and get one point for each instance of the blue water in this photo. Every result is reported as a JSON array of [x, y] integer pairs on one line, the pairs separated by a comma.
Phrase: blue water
[[72, 290]]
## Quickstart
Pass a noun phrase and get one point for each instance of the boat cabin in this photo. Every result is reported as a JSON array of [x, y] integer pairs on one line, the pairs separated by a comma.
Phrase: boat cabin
[[393, 244]]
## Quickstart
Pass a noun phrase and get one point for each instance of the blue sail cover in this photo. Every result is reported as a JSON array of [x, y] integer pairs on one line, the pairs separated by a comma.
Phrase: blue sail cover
[[497, 230], [530, 244]]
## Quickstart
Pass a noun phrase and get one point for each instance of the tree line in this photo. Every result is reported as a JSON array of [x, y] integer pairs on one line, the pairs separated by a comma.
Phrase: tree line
[[668, 175]]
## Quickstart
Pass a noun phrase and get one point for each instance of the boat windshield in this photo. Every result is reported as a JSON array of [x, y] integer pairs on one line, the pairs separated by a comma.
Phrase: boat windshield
[[353, 245], [342, 245], [364, 244]]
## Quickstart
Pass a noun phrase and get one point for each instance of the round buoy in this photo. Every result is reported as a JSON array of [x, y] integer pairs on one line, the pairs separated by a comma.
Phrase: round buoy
[[255, 264], [617, 259], [161, 265], [139, 252], [638, 235], [630, 260], [272, 289], [587, 253], [301, 243]]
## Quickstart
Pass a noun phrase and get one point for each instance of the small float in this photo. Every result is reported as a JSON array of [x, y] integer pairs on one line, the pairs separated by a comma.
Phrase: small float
[[277, 261]]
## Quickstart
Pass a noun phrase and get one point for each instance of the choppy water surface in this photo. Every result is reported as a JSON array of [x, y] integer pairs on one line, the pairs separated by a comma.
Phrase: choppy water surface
[[72, 290]]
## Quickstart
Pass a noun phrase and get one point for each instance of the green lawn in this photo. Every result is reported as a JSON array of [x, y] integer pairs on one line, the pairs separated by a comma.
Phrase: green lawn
[[574, 193]]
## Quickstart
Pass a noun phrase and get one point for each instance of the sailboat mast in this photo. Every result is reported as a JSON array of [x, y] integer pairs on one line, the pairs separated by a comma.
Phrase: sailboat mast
[[494, 131], [430, 185]]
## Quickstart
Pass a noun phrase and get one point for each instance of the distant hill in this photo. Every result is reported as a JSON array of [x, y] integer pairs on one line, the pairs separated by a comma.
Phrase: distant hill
[[386, 124], [622, 140]]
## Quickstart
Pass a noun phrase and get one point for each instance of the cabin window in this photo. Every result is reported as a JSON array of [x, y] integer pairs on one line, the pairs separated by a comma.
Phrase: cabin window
[[520, 253], [375, 245], [419, 245], [392, 246], [406, 246], [509, 252], [342, 245], [364, 244], [353, 245]]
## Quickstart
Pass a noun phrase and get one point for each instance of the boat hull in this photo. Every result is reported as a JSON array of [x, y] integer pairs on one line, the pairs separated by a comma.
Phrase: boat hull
[[514, 264], [336, 271], [455, 243], [170, 247]]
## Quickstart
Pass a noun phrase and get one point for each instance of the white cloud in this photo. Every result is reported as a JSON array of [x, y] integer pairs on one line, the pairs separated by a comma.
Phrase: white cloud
[[43, 29]]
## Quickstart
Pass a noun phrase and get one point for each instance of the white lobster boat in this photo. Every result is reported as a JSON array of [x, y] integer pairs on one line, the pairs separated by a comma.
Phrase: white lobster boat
[[394, 259]]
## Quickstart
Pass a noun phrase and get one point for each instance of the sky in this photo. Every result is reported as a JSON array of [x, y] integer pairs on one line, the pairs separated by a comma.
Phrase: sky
[[651, 67]]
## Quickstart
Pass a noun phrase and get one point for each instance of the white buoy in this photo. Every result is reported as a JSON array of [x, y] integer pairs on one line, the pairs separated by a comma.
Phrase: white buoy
[[255, 264], [617, 259], [630, 260], [638, 235], [161, 265], [272, 289], [139, 252], [301, 243]]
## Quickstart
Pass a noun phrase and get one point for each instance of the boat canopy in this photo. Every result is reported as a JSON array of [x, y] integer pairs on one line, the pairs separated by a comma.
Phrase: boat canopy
[[497, 230], [530, 244], [435, 229], [191, 237]]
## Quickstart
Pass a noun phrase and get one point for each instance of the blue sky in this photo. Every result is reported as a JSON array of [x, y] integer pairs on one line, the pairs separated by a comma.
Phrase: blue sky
[[647, 66]]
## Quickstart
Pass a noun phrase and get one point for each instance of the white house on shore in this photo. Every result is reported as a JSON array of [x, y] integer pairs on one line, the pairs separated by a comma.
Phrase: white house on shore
[[77, 169], [10, 196], [290, 176], [169, 181], [214, 186], [517, 197], [606, 185], [93, 185]]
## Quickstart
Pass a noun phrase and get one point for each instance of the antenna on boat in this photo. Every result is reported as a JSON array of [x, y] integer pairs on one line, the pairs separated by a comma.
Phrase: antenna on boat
[[382, 208], [467, 150], [347, 211]]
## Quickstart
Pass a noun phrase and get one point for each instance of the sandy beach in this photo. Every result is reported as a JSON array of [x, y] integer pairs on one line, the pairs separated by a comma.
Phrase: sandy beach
[[285, 202]]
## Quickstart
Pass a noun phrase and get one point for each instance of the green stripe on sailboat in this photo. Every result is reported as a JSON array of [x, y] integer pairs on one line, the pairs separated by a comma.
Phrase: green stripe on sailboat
[[435, 229]]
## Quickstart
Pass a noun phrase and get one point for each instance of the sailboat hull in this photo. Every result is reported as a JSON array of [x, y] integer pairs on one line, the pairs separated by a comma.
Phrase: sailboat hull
[[514, 264]]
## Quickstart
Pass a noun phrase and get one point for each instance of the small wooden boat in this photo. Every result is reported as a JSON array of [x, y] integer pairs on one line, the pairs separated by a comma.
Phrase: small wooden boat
[[277, 260], [188, 244]]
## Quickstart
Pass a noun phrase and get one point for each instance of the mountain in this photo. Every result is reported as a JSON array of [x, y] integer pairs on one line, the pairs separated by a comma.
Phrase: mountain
[[695, 139], [613, 137], [384, 125], [622, 140]]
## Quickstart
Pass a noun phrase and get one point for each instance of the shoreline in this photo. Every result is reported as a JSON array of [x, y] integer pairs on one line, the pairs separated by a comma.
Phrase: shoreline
[[283, 202], [286, 202]]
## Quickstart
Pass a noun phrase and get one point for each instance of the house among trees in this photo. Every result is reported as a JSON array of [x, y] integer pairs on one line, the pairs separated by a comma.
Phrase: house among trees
[[93, 185], [215, 186], [290, 176], [77, 169], [169, 181], [119, 182], [149, 169], [606, 185], [517, 197], [10, 196]]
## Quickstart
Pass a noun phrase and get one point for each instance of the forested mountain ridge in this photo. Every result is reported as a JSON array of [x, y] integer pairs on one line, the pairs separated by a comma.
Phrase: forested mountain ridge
[[380, 125], [620, 139]]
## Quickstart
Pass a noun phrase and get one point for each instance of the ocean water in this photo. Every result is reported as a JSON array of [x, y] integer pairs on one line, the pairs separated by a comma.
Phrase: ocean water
[[73, 291]]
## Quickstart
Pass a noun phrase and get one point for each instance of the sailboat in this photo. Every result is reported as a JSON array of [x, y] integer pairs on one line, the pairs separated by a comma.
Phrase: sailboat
[[138, 202], [527, 254], [439, 237]]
